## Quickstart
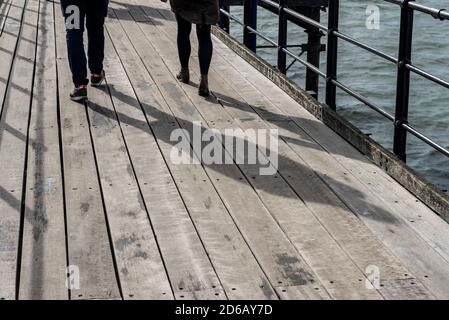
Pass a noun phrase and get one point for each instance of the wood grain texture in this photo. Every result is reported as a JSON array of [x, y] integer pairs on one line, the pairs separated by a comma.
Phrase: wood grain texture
[[8, 43], [89, 247], [341, 279], [376, 208], [187, 262], [364, 199], [5, 6], [140, 267], [13, 141], [95, 186], [236, 267], [44, 257], [278, 257]]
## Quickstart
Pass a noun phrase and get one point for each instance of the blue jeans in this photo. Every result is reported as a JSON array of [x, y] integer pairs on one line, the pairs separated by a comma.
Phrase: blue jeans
[[92, 14]]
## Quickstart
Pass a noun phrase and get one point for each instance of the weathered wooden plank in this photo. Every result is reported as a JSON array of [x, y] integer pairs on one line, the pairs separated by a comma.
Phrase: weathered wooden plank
[[14, 118], [202, 204], [8, 44], [379, 155], [387, 222], [338, 273], [296, 217], [302, 293], [43, 267], [237, 269], [403, 205], [398, 208], [311, 155], [5, 5], [279, 259], [187, 263], [272, 116], [418, 216], [89, 248], [140, 267], [373, 206]]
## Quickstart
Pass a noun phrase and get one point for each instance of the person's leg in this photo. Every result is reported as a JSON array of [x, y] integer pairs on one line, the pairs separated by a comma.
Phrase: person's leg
[[205, 50], [205, 47], [184, 47], [95, 18], [74, 14]]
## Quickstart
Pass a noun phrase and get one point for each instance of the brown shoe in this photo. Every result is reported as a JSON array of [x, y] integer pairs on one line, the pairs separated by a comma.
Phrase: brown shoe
[[184, 75], [204, 86]]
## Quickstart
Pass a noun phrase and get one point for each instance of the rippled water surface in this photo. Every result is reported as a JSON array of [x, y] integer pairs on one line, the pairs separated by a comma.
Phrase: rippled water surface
[[375, 78]]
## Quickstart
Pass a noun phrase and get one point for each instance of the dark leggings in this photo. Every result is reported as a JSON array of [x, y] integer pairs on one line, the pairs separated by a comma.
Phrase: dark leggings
[[205, 47]]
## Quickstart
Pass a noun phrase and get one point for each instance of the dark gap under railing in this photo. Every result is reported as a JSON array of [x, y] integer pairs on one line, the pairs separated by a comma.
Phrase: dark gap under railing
[[403, 62]]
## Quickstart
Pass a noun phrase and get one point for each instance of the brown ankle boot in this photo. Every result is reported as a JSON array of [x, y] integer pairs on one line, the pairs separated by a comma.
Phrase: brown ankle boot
[[204, 86], [184, 75]]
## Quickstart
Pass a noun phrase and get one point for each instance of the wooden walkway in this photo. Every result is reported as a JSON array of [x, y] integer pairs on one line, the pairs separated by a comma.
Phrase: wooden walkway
[[92, 186]]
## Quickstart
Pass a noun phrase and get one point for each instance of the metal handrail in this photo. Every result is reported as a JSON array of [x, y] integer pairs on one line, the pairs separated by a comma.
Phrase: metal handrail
[[403, 62]]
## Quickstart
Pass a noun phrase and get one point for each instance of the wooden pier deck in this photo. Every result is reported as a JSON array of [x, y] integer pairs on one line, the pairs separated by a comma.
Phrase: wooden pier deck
[[92, 185]]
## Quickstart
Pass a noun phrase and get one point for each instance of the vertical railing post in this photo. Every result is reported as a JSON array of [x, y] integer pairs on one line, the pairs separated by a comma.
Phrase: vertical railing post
[[282, 37], [403, 81], [250, 20], [224, 20], [332, 54], [313, 52]]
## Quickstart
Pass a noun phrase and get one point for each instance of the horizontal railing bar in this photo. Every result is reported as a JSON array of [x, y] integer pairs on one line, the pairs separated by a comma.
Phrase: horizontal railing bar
[[305, 63], [441, 14], [267, 47], [366, 47], [436, 13], [274, 43], [296, 15], [398, 2], [427, 75], [305, 19], [271, 3], [336, 33], [426, 139], [230, 16], [275, 46], [288, 52], [361, 98]]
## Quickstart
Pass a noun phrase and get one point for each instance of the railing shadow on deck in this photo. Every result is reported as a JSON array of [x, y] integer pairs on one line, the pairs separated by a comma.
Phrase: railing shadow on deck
[[35, 216], [38, 220], [128, 7], [229, 101], [4, 7], [377, 213]]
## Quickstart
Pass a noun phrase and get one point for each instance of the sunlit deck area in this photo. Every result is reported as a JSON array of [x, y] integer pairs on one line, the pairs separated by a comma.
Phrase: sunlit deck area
[[91, 189]]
